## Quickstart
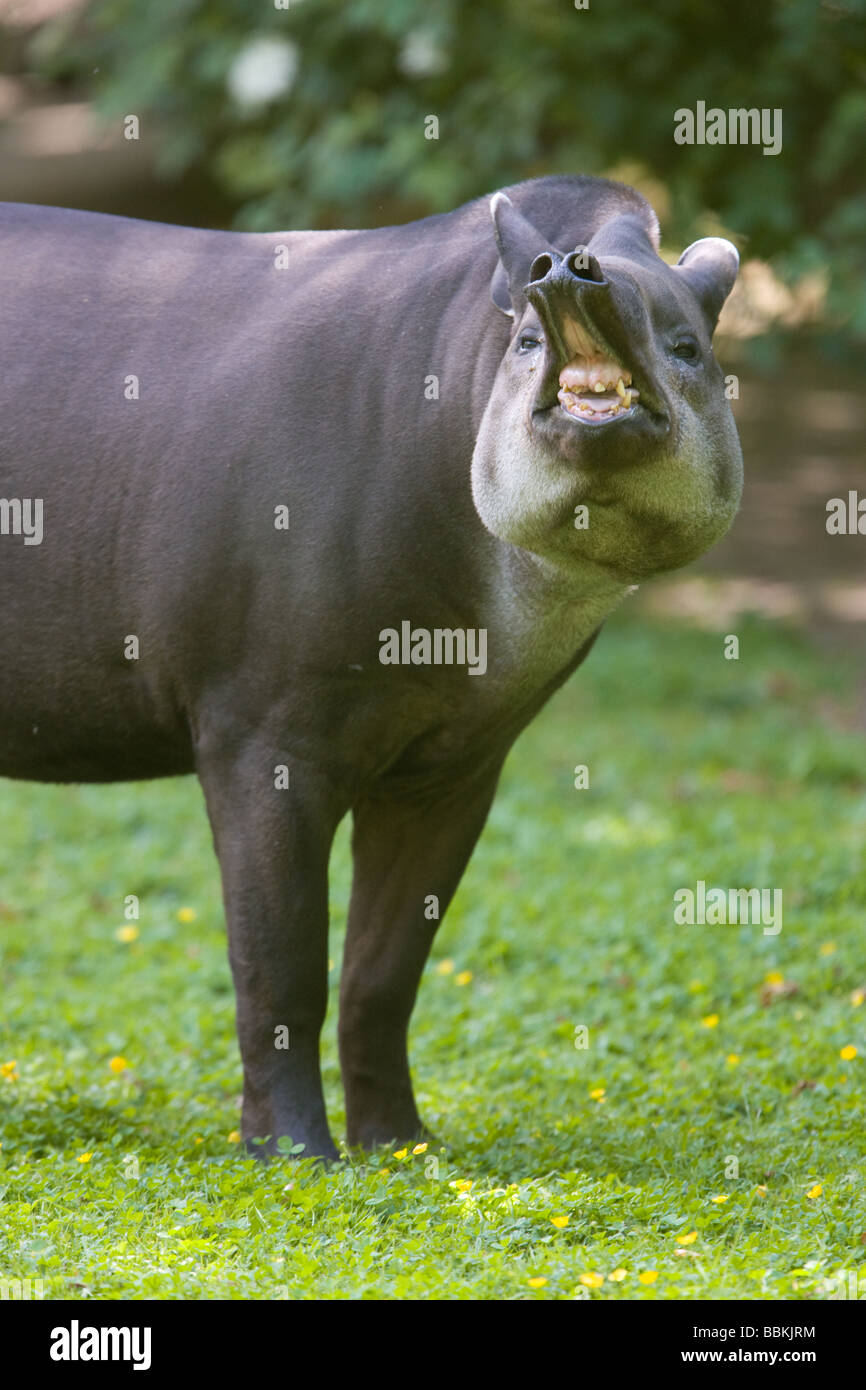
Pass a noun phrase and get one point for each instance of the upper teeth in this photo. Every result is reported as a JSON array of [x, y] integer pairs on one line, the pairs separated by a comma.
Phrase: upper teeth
[[570, 396], [598, 378]]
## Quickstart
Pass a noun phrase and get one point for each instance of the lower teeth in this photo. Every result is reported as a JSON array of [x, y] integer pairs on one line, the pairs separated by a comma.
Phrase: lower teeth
[[575, 406], [572, 405]]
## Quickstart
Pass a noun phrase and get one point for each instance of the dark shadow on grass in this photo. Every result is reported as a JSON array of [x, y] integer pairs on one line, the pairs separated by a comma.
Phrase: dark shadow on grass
[[523, 1157], [60, 1124]]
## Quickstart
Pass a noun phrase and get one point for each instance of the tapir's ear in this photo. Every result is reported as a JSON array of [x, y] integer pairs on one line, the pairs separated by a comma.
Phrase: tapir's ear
[[710, 267], [519, 243]]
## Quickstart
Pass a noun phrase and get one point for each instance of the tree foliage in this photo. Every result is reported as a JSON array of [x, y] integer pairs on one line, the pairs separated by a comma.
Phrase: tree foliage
[[519, 88]]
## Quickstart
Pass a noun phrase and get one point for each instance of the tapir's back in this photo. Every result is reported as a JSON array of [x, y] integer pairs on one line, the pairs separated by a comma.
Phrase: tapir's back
[[162, 390]]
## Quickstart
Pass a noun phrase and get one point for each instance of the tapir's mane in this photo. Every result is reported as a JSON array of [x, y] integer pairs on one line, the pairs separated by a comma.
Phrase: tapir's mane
[[561, 198]]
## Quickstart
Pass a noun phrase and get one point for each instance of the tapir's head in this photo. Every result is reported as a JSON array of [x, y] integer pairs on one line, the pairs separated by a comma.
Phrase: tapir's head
[[609, 398]]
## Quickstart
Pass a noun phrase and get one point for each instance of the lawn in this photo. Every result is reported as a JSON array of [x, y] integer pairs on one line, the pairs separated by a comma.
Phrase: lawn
[[706, 1143]]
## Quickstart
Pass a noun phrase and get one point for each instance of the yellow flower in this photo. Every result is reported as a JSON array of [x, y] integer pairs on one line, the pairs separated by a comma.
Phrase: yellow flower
[[815, 1191], [127, 933], [710, 1021], [857, 997], [118, 1064], [445, 967], [537, 1282], [848, 1053], [198, 1140], [401, 1153], [733, 1059], [186, 914], [775, 977], [463, 978], [592, 1281], [420, 1149], [598, 1094], [762, 1188], [688, 1239], [235, 1136], [464, 1185], [648, 1276], [8, 1069], [559, 1222], [719, 1199], [618, 1275], [828, 948], [85, 1158]]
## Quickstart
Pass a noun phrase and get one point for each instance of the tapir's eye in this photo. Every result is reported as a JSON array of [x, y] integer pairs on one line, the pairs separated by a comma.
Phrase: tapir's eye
[[686, 349], [527, 341]]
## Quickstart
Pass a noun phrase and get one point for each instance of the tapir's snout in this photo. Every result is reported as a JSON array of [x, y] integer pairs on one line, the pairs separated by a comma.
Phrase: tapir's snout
[[597, 330], [577, 265]]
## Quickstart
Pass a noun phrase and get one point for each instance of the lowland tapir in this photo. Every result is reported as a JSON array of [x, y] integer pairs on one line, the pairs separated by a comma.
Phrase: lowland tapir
[[325, 518]]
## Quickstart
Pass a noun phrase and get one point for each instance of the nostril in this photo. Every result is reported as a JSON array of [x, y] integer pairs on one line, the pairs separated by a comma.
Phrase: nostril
[[584, 266], [541, 266]]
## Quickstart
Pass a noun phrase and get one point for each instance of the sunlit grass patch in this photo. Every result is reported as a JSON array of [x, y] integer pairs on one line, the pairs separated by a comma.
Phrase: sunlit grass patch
[[625, 1107]]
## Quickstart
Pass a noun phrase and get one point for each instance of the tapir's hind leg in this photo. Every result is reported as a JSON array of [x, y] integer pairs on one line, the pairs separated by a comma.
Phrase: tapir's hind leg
[[273, 845], [409, 859]]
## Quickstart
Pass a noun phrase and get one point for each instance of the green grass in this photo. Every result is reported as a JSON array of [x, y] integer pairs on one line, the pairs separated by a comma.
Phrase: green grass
[[739, 773]]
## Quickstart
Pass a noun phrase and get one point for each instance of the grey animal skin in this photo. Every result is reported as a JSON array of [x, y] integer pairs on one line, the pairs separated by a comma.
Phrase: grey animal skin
[[167, 392]]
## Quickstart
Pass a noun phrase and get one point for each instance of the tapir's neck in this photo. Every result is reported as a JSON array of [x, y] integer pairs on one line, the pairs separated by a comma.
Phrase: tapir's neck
[[541, 618]]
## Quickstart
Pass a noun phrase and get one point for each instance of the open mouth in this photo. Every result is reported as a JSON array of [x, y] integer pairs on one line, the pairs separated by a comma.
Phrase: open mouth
[[596, 390], [590, 379]]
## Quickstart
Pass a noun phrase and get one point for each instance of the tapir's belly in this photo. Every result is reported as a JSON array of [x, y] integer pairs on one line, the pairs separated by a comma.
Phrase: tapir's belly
[[129, 760], [76, 703], [65, 725]]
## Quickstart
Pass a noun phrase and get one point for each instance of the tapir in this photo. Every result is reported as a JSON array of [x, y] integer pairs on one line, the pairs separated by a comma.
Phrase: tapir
[[325, 517]]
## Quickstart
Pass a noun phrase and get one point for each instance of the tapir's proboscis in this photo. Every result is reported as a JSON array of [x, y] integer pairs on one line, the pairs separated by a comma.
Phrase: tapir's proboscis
[[325, 518]]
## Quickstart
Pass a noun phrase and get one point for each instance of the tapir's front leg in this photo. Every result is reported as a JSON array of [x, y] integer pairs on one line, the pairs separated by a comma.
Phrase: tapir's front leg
[[273, 844], [409, 858]]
